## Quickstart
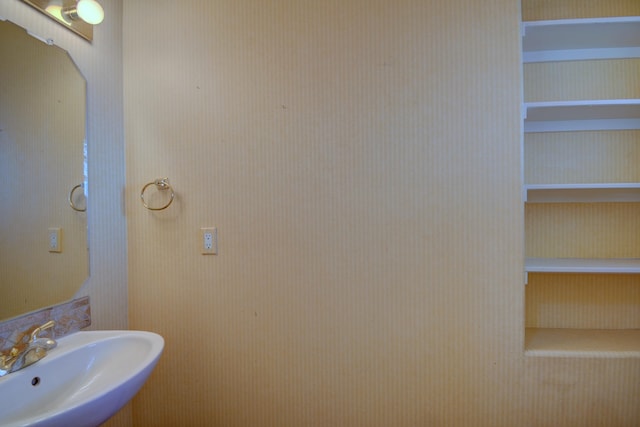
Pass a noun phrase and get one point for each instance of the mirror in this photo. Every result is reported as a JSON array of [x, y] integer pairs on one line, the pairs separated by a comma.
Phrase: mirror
[[42, 174]]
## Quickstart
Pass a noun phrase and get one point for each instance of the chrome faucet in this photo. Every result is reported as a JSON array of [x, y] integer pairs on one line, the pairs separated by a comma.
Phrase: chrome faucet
[[25, 354]]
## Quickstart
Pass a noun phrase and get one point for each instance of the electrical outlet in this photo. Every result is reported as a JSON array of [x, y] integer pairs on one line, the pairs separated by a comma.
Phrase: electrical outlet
[[55, 240], [209, 240]]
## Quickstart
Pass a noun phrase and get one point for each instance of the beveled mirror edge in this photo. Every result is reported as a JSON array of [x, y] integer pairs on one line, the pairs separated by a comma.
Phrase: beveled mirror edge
[[79, 26]]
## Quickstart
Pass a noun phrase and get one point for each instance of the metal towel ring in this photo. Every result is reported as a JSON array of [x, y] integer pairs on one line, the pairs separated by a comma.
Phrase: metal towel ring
[[73, 206], [161, 184]]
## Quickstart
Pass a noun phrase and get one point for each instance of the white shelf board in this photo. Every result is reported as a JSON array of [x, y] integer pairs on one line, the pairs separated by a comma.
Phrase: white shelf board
[[583, 265], [584, 115], [601, 343], [581, 39], [582, 193]]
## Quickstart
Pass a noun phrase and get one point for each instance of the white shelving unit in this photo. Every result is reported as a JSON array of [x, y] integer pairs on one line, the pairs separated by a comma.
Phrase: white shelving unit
[[583, 265], [579, 39], [570, 116], [560, 342], [571, 40], [583, 193]]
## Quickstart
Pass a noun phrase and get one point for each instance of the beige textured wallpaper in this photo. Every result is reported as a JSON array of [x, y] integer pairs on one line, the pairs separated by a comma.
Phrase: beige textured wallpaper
[[533, 10], [595, 301], [361, 161]]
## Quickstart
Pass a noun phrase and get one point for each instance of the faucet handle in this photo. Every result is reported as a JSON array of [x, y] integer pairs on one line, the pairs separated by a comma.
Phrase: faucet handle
[[34, 335]]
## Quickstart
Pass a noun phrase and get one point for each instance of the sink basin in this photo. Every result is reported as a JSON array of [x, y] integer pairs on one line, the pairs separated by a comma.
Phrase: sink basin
[[82, 382]]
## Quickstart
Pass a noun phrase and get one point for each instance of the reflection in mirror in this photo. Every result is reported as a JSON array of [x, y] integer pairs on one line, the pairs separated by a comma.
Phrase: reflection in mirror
[[42, 159]]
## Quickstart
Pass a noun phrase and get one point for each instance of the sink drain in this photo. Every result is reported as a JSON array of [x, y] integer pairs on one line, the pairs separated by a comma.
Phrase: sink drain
[[35, 381]]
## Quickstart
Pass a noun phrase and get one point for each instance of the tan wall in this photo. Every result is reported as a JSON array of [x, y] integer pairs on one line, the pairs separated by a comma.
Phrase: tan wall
[[361, 161], [533, 10]]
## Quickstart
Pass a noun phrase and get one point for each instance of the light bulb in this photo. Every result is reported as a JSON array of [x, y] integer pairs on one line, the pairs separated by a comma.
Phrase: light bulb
[[90, 11]]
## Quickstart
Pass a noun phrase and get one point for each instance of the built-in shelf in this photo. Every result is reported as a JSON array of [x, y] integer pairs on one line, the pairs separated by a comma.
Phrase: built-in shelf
[[582, 193], [583, 265], [581, 39], [601, 343], [585, 115]]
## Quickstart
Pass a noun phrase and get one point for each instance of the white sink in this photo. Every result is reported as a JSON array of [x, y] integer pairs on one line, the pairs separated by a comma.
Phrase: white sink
[[82, 382]]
